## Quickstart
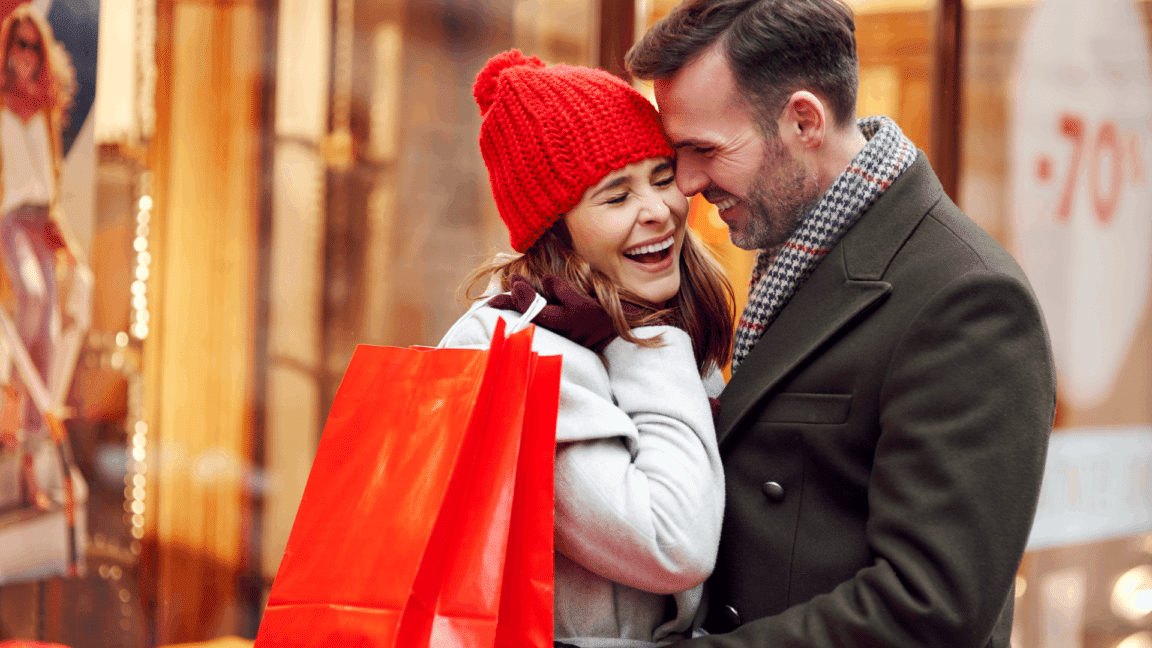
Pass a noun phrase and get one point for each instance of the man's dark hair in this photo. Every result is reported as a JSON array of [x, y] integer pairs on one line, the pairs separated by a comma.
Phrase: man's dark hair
[[775, 47]]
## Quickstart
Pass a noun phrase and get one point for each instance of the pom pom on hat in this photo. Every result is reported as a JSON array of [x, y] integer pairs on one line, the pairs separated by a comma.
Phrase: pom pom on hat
[[550, 133], [484, 90]]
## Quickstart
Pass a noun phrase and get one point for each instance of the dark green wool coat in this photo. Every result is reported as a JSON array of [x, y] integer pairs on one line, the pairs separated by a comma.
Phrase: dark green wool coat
[[883, 443]]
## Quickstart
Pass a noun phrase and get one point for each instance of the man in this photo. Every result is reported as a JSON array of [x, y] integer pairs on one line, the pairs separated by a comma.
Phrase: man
[[885, 427]]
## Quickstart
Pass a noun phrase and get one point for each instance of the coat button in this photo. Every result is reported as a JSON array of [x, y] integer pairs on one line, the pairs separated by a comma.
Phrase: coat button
[[773, 491], [732, 614]]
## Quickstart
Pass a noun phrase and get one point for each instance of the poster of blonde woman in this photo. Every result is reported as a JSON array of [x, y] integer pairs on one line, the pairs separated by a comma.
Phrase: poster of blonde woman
[[45, 306]]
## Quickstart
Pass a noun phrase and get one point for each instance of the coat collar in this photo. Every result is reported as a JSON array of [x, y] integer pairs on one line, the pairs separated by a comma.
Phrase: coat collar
[[844, 288]]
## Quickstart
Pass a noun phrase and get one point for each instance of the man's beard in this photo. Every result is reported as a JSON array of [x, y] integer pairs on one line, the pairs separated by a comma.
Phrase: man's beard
[[783, 192]]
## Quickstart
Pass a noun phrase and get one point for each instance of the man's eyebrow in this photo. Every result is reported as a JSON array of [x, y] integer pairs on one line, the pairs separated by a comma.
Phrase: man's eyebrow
[[679, 144]]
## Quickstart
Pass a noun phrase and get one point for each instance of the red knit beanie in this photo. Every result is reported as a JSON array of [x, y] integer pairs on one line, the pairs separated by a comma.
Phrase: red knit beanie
[[551, 133]]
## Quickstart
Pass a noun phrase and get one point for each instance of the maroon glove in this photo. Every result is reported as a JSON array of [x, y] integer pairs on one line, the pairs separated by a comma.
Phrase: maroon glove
[[568, 313]]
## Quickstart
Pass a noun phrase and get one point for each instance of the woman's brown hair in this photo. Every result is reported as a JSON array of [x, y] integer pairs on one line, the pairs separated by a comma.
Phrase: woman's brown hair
[[703, 306]]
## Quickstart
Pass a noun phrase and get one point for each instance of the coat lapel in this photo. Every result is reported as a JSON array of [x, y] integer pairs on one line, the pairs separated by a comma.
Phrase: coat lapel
[[828, 302], [842, 290]]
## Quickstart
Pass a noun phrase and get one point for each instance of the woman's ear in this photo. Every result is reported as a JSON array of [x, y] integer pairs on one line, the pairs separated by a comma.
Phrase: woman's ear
[[804, 121]]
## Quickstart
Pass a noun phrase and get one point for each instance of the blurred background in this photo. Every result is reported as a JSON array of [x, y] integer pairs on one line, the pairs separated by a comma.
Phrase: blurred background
[[254, 187]]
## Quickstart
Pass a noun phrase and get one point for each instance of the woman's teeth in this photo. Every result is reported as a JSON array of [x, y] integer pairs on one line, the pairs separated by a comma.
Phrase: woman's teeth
[[648, 249], [727, 203], [654, 253]]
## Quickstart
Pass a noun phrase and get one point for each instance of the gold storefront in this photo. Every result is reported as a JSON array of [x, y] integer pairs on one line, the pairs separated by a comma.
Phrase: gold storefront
[[258, 186]]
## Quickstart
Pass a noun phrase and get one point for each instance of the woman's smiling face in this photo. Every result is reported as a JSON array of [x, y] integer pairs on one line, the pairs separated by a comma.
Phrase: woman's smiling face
[[630, 226]]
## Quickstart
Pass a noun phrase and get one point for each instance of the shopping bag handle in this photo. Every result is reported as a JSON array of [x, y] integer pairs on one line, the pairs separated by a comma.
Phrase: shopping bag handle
[[537, 305]]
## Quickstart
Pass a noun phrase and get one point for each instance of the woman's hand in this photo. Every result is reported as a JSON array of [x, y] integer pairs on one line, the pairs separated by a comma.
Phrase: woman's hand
[[568, 313]]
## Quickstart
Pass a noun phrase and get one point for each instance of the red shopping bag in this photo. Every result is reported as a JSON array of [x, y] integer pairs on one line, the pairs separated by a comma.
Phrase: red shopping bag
[[402, 535], [526, 601]]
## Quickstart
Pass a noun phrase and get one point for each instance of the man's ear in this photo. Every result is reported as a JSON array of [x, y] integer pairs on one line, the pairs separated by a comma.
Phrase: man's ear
[[804, 120]]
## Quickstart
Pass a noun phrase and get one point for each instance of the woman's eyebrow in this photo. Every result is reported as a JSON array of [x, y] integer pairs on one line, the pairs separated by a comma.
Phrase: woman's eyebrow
[[611, 185]]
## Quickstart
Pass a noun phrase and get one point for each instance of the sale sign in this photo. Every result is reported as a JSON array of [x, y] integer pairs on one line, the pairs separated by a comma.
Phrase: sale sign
[[1082, 209]]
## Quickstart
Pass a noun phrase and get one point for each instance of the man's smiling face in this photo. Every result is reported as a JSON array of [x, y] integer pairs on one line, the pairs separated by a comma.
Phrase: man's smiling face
[[758, 186]]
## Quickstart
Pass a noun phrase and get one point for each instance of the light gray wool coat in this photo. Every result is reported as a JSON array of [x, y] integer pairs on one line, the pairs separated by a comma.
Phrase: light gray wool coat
[[639, 486]]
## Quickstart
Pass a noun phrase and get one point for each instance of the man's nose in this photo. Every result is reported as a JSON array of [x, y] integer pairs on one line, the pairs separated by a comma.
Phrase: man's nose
[[690, 175]]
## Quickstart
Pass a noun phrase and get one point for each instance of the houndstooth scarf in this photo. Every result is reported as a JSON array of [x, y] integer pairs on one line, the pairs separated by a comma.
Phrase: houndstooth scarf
[[780, 270]]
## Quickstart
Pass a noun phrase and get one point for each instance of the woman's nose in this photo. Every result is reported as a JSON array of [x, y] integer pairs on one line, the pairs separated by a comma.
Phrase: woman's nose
[[655, 209]]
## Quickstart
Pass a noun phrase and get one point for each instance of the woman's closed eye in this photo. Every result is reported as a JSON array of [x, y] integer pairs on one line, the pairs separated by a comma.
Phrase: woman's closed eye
[[661, 183]]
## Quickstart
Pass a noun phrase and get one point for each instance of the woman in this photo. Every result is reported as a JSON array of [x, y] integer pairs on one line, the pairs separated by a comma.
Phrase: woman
[[38, 85], [584, 178]]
